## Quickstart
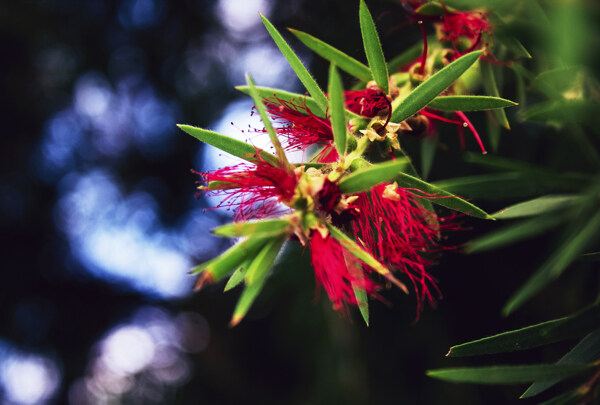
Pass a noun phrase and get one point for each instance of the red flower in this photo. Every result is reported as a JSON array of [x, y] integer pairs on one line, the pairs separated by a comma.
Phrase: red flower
[[395, 228], [256, 190], [368, 103], [301, 128], [469, 25], [337, 270]]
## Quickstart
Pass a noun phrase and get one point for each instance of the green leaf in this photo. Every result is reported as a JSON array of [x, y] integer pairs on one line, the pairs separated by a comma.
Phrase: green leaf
[[469, 103], [556, 263], [363, 303], [364, 179], [232, 146], [296, 98], [266, 121], [335, 56], [434, 8], [266, 227], [354, 249], [255, 278], [373, 48], [428, 149], [233, 257], [537, 206], [408, 56], [541, 334], [237, 277], [441, 197], [337, 110], [433, 87], [514, 233], [303, 74], [489, 83], [508, 374], [587, 350]]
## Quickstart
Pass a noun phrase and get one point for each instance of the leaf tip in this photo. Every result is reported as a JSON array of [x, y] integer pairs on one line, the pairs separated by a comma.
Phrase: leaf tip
[[235, 319], [205, 278]]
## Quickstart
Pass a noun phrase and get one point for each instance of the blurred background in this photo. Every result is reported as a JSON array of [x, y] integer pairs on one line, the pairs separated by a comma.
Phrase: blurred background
[[100, 221]]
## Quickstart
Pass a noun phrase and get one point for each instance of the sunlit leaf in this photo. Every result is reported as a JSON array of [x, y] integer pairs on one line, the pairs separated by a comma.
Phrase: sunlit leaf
[[232, 146], [296, 98], [554, 266], [335, 56], [508, 374], [307, 80], [265, 227], [373, 48], [441, 197], [541, 334], [433, 87], [233, 257], [258, 103], [337, 110], [587, 350], [255, 278], [469, 103], [364, 179], [237, 276]]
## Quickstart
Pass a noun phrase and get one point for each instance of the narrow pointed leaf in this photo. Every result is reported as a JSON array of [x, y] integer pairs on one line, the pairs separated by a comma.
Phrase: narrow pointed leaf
[[469, 103], [489, 83], [428, 149], [255, 278], [337, 110], [357, 251], [373, 48], [427, 204], [441, 197], [433, 87], [508, 374], [544, 333], [269, 227], [296, 98], [556, 263], [363, 303], [266, 121], [364, 179], [238, 276], [303, 74], [514, 233], [233, 257], [335, 56], [537, 206], [586, 351], [232, 146]]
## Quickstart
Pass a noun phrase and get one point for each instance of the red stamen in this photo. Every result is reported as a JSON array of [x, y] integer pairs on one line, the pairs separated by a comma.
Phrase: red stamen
[[424, 54], [472, 128]]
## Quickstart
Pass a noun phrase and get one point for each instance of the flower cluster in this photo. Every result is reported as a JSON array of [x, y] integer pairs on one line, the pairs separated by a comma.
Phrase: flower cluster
[[358, 204]]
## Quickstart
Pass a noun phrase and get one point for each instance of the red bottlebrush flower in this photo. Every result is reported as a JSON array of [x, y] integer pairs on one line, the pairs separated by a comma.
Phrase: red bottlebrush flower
[[395, 228], [256, 190], [367, 103], [301, 128], [337, 271], [469, 25]]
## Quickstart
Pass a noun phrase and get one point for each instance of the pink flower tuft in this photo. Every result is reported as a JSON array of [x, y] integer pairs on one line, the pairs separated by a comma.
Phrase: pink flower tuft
[[255, 190], [337, 270], [301, 128], [367, 103], [395, 228]]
